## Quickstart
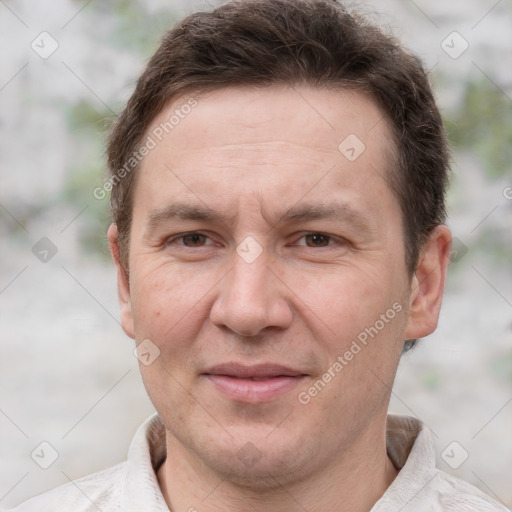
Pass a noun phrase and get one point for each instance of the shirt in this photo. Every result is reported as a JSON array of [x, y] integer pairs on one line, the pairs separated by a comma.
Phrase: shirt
[[133, 486]]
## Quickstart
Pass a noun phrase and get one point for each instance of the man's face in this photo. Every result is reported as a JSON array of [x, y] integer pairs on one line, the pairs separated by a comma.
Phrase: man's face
[[261, 252]]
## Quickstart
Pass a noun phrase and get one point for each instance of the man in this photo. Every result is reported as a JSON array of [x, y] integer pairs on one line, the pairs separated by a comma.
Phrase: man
[[278, 182]]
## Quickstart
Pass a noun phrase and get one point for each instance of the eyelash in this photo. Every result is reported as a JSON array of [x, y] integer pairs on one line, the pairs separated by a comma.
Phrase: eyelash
[[331, 238], [172, 239]]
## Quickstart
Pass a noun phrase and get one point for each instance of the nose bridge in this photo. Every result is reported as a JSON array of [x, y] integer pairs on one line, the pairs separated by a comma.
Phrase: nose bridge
[[250, 298], [250, 279]]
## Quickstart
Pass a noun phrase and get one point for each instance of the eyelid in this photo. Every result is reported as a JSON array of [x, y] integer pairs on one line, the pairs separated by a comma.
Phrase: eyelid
[[333, 239], [177, 236]]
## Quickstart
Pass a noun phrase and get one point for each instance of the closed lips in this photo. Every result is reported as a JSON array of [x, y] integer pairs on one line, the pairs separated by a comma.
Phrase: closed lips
[[254, 372], [253, 384]]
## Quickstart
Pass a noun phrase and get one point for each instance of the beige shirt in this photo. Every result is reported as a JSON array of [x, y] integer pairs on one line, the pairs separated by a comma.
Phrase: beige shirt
[[133, 485]]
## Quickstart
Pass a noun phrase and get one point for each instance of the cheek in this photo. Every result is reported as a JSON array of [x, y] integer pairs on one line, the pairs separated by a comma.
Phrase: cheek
[[348, 300], [165, 301], [169, 310], [360, 322]]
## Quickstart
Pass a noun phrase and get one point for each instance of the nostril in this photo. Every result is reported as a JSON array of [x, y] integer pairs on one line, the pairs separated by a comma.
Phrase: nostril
[[246, 333]]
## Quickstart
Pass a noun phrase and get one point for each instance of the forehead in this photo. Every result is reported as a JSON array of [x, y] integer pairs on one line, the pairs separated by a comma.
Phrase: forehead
[[272, 142], [258, 114]]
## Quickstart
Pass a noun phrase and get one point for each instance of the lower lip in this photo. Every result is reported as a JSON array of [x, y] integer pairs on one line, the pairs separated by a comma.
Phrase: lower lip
[[254, 391]]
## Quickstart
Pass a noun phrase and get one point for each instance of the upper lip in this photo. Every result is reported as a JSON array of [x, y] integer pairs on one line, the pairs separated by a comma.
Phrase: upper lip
[[242, 371]]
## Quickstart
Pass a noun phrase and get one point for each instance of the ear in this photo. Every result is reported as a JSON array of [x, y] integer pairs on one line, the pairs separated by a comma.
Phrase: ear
[[123, 284], [427, 284]]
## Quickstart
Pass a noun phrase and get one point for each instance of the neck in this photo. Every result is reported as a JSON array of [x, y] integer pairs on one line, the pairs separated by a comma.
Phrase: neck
[[353, 481]]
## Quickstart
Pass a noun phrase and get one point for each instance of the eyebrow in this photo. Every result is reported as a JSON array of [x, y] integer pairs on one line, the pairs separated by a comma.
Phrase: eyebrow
[[298, 213], [334, 211], [183, 211]]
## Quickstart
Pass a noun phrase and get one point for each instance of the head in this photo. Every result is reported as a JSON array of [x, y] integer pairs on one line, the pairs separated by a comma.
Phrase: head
[[285, 206]]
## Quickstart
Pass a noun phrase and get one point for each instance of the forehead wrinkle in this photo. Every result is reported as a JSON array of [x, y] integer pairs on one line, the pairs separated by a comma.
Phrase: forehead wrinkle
[[253, 155]]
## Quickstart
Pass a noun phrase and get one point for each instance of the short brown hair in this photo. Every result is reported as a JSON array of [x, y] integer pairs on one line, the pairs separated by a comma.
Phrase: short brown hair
[[294, 42]]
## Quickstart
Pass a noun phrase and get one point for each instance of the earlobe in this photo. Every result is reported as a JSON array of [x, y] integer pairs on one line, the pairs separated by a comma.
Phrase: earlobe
[[123, 283], [427, 284]]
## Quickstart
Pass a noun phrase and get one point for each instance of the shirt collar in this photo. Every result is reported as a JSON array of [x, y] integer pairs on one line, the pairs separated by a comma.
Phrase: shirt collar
[[409, 446], [146, 453]]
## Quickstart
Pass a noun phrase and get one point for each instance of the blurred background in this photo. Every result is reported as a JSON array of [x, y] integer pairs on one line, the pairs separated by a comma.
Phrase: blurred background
[[68, 376]]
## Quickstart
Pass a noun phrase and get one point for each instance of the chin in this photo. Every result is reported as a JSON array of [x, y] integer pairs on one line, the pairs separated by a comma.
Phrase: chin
[[265, 468]]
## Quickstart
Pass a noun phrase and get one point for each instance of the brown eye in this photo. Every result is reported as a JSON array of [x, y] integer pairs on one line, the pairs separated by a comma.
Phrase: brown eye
[[317, 240], [194, 240]]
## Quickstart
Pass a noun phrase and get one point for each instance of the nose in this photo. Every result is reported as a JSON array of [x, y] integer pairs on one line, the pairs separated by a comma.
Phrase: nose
[[252, 298]]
